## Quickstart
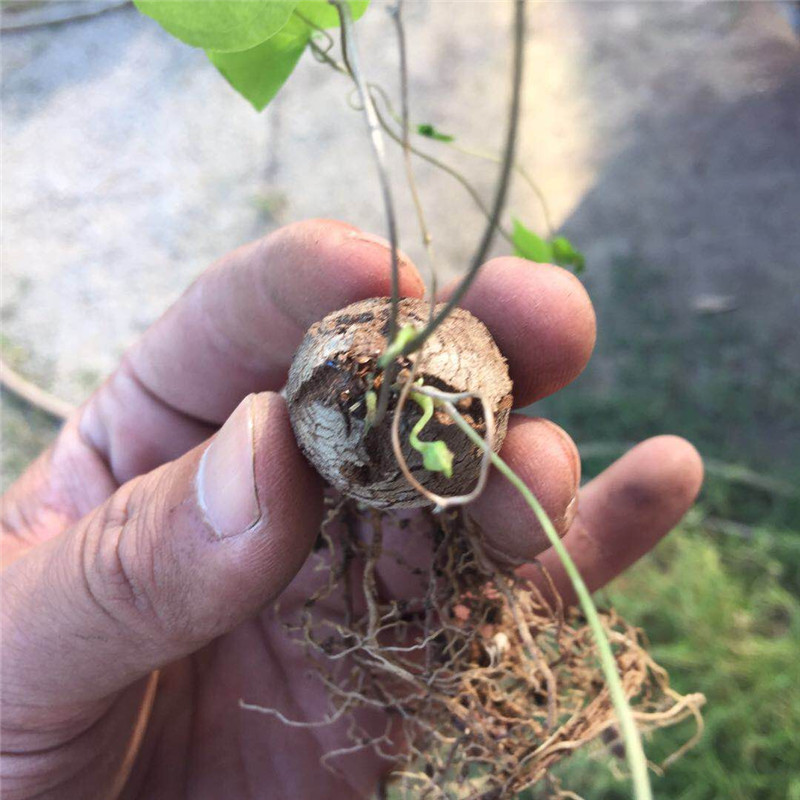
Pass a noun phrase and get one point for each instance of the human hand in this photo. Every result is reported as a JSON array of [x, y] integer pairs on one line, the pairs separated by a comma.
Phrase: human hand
[[142, 550]]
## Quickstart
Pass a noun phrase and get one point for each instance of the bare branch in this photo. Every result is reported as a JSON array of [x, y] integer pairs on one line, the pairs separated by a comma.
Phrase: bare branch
[[502, 185]]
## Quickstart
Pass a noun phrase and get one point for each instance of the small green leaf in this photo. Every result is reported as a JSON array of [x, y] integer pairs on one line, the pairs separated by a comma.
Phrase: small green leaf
[[259, 73], [322, 14], [555, 251], [222, 25], [566, 255], [528, 245], [436, 456], [431, 133]]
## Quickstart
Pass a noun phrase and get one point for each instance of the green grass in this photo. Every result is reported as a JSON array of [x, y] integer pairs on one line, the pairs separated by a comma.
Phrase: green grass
[[720, 618], [719, 598]]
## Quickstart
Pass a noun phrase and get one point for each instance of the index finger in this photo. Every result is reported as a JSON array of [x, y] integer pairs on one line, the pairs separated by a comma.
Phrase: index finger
[[541, 318], [236, 329]]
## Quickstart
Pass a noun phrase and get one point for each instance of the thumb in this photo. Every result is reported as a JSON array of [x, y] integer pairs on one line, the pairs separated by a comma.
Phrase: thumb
[[172, 560]]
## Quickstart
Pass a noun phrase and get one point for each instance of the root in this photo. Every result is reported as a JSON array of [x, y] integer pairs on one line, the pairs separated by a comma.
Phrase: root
[[487, 684]]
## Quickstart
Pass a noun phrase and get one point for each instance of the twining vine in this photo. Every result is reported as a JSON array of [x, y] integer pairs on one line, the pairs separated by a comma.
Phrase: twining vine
[[491, 679]]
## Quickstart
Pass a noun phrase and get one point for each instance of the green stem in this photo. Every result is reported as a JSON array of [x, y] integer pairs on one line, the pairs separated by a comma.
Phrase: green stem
[[634, 751]]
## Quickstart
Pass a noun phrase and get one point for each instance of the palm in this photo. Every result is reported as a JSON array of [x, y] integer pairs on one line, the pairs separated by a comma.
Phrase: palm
[[197, 700], [142, 632]]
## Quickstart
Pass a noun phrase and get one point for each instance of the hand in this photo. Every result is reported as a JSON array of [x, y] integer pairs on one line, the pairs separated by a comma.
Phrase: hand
[[145, 539]]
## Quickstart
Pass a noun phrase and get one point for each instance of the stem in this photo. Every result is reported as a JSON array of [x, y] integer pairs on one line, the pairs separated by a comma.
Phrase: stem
[[502, 185], [325, 58], [634, 751], [353, 63], [34, 395], [427, 239]]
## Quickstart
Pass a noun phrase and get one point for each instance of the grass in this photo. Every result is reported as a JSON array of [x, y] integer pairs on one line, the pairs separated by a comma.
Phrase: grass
[[722, 618], [719, 599], [659, 368]]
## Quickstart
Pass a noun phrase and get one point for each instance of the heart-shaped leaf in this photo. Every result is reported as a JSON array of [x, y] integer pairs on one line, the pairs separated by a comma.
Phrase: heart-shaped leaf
[[222, 25], [258, 74]]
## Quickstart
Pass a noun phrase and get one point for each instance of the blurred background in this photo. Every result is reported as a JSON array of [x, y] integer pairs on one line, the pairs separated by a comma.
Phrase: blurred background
[[665, 138]]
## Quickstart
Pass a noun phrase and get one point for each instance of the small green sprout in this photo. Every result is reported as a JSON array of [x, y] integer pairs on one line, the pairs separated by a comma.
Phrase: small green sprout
[[558, 250], [371, 400], [403, 337], [432, 133], [436, 456]]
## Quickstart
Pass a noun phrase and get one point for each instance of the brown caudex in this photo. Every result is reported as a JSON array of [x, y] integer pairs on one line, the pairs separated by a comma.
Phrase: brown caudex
[[326, 395]]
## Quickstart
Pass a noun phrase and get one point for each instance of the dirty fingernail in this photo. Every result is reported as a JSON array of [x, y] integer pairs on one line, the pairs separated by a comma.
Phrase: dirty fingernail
[[369, 237], [226, 489], [385, 244]]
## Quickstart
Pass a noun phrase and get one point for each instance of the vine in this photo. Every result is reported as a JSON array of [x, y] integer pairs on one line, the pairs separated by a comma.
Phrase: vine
[[256, 44]]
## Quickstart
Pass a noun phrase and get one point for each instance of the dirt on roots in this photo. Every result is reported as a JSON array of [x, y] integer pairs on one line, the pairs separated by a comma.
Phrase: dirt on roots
[[489, 680]]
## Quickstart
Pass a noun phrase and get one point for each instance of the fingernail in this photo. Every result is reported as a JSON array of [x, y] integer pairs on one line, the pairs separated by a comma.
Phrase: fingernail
[[226, 487], [371, 238], [570, 513]]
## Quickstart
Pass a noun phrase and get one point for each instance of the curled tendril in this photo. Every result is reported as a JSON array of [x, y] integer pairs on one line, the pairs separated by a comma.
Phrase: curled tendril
[[446, 400]]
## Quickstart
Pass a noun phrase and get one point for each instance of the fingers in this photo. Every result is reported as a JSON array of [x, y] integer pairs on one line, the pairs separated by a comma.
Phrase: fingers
[[170, 561], [236, 329], [625, 511], [541, 318], [546, 459], [233, 332]]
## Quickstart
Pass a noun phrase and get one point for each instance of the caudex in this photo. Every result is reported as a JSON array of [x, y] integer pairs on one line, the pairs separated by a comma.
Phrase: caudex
[[490, 680]]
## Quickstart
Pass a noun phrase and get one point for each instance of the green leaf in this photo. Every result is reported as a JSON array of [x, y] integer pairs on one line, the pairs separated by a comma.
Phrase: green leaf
[[222, 25], [322, 14], [566, 255], [259, 73], [431, 133], [528, 245], [436, 456], [555, 251], [255, 44]]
